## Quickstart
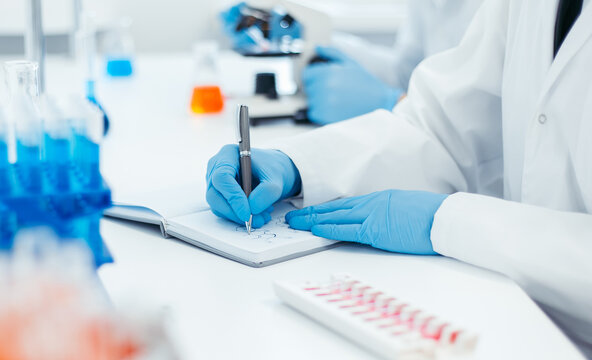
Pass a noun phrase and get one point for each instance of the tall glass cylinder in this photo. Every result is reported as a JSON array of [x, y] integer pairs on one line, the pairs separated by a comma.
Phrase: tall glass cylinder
[[35, 40]]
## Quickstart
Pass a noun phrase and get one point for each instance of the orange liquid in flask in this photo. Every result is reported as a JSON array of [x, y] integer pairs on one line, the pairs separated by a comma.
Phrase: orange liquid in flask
[[207, 100]]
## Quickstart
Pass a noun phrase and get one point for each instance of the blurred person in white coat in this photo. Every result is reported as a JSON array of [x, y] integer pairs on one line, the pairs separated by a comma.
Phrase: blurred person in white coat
[[488, 160], [361, 77]]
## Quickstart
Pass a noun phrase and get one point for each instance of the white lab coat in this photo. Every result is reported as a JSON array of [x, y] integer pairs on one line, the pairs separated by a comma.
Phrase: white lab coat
[[495, 116], [432, 26]]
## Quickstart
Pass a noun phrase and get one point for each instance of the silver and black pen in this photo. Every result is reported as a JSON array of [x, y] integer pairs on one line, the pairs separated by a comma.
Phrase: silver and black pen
[[244, 147]]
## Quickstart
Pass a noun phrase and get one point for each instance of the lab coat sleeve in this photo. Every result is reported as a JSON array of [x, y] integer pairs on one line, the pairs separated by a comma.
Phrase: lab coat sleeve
[[374, 152], [393, 65], [547, 252], [445, 137]]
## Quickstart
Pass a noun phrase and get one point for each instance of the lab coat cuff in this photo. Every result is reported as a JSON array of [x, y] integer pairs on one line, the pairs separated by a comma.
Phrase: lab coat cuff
[[474, 228], [444, 221]]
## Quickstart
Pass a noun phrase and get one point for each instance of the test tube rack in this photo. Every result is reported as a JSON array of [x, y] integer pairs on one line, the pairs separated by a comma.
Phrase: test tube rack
[[73, 212]]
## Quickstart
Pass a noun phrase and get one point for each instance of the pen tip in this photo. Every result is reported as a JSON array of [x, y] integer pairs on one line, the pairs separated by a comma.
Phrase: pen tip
[[248, 224]]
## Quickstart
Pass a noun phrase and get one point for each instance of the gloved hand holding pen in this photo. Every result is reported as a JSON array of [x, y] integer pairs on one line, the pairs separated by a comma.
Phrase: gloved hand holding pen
[[274, 178], [340, 89], [392, 220]]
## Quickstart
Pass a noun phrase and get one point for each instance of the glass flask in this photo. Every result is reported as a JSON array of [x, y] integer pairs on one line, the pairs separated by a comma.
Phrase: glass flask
[[206, 97], [118, 46]]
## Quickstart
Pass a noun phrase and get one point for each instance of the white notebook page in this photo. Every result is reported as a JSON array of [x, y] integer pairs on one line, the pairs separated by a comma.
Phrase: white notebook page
[[167, 202], [274, 240]]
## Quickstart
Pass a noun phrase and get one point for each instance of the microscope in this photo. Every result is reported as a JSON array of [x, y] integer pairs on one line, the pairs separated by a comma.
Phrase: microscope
[[305, 28]]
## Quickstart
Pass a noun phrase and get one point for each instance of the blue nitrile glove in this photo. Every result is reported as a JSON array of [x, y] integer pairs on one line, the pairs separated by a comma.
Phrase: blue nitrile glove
[[341, 88], [230, 19], [275, 177], [393, 220]]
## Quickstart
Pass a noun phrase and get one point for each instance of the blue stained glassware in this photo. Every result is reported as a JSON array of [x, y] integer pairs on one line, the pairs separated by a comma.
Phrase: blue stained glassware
[[5, 169], [29, 166], [8, 227], [58, 155], [119, 67]]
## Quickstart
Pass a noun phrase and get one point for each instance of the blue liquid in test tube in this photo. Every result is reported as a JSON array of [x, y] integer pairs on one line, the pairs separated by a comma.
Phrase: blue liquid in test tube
[[87, 160], [5, 184], [88, 132], [30, 167], [58, 152], [3, 153], [8, 227]]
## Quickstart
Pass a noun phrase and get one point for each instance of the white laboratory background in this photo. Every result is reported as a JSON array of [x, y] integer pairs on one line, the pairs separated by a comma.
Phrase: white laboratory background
[[173, 25], [215, 308]]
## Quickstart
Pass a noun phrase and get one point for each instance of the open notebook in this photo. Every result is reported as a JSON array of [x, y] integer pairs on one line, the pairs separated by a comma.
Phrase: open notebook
[[192, 221]]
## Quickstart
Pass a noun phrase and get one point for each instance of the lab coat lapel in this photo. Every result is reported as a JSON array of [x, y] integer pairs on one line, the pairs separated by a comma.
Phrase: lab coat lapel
[[577, 37]]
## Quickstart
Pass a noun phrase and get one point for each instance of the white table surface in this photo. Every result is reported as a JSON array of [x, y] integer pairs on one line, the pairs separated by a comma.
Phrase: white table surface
[[220, 309]]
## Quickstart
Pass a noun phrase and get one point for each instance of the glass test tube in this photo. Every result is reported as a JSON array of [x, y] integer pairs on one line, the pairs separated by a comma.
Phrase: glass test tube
[[5, 183], [87, 122], [88, 125], [23, 86], [8, 227], [58, 138]]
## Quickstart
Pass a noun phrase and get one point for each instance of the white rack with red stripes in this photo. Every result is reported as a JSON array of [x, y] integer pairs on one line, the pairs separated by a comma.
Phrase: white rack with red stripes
[[384, 324]]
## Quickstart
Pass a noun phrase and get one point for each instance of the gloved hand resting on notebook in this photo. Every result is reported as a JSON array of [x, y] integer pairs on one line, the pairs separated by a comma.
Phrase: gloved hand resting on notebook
[[393, 220], [275, 177]]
